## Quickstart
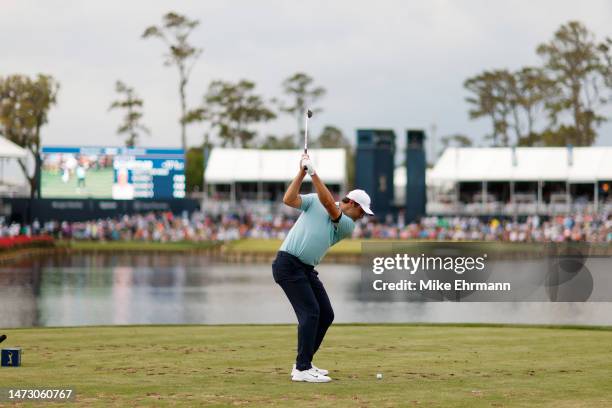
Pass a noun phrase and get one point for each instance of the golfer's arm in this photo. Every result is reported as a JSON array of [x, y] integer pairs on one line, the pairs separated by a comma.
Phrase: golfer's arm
[[325, 197], [292, 195]]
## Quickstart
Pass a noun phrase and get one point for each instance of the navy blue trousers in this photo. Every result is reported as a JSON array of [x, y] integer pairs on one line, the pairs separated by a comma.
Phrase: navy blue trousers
[[306, 293]]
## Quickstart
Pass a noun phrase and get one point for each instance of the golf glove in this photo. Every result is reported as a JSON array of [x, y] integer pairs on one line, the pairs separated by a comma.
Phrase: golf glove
[[306, 163]]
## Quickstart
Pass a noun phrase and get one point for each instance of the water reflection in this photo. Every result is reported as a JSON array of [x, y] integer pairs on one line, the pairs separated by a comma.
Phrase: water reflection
[[86, 289]]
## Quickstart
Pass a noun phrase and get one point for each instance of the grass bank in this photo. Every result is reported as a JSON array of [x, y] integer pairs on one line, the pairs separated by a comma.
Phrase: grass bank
[[135, 245], [270, 246], [422, 365]]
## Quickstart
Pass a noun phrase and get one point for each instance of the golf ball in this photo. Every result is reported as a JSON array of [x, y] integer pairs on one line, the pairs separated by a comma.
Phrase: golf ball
[[379, 376]]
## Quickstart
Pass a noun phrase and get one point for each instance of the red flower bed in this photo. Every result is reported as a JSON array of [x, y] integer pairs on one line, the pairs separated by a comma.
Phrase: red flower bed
[[24, 241]]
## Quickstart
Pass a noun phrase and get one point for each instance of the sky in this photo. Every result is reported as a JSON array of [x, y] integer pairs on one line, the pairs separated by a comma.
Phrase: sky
[[384, 64]]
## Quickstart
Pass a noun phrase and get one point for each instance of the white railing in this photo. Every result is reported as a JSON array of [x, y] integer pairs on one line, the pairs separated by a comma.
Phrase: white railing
[[499, 208]]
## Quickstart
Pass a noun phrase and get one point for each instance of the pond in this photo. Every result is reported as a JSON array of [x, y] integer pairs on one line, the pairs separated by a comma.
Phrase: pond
[[149, 288]]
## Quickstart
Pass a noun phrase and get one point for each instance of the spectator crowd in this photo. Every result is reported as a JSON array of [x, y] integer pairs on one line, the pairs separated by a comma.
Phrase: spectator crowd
[[201, 226]]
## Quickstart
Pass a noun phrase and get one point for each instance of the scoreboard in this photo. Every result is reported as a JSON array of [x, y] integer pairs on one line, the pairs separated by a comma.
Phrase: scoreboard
[[118, 173]]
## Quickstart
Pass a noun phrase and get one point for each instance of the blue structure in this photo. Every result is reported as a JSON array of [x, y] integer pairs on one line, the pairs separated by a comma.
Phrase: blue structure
[[374, 168], [10, 357], [416, 193]]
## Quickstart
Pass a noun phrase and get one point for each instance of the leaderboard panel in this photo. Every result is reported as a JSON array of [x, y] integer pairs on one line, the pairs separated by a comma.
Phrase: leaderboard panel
[[118, 173]]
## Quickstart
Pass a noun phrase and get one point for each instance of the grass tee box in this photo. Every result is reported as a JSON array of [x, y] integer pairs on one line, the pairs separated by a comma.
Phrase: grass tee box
[[432, 365]]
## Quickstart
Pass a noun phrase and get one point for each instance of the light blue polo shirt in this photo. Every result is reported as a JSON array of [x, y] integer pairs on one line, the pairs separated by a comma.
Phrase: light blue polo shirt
[[314, 232]]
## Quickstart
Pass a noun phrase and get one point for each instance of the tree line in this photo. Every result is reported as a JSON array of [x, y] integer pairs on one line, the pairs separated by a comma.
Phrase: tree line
[[560, 102], [231, 109]]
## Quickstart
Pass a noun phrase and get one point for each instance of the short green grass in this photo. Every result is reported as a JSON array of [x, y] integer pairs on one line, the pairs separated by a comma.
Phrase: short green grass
[[353, 246], [135, 245], [347, 246], [271, 246], [430, 366]]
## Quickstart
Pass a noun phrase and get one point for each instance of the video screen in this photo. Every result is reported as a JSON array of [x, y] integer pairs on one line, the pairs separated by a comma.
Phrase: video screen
[[117, 173]]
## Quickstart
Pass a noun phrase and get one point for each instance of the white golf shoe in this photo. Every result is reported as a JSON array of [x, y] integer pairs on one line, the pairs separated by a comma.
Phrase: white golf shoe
[[311, 375], [321, 371]]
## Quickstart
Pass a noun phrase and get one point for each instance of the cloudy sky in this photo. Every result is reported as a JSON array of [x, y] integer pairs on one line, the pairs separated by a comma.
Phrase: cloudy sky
[[389, 64]]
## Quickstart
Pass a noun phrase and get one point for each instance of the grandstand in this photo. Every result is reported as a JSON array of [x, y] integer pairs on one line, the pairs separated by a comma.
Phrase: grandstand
[[482, 181], [263, 175], [506, 181]]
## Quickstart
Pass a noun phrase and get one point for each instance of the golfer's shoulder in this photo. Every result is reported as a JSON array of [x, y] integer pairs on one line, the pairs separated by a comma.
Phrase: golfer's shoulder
[[308, 200], [344, 226], [347, 222]]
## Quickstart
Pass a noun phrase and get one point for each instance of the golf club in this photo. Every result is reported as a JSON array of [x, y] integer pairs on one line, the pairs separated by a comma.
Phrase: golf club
[[307, 116], [2, 338]]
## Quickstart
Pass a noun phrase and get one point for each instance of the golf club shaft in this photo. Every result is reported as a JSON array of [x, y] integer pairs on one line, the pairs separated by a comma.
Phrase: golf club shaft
[[305, 134]]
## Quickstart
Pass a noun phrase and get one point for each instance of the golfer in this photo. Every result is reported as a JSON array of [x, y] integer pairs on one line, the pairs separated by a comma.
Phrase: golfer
[[321, 224]]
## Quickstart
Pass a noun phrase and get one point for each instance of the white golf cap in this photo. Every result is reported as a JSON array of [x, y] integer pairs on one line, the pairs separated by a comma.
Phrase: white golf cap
[[362, 198]]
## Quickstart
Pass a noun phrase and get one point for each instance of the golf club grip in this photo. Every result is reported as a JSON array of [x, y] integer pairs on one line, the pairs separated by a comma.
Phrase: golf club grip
[[305, 152]]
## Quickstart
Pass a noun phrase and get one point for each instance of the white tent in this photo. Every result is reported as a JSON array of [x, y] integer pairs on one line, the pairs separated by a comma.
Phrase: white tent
[[249, 165], [10, 150], [575, 165], [576, 174], [12, 180]]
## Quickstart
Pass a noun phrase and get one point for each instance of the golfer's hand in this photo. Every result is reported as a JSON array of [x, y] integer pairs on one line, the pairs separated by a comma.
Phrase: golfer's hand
[[302, 159], [305, 163]]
